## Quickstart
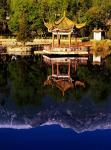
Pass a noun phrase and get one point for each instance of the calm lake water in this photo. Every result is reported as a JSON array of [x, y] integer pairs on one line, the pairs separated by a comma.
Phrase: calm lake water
[[36, 115]]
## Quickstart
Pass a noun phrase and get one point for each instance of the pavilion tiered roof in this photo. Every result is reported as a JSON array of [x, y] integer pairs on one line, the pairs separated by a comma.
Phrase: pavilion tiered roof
[[63, 24]]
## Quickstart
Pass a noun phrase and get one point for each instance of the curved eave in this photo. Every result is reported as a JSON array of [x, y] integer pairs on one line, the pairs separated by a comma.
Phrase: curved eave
[[49, 26], [65, 21], [79, 26]]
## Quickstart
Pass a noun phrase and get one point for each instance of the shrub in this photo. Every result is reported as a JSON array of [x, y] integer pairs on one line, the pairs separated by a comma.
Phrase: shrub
[[85, 39]]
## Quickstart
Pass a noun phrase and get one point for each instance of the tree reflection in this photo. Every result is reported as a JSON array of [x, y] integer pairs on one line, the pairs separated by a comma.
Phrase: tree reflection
[[3, 75], [27, 82], [26, 79], [4, 89], [98, 81]]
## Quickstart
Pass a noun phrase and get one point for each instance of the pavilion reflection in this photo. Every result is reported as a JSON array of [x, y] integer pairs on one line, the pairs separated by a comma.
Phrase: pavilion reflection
[[63, 72]]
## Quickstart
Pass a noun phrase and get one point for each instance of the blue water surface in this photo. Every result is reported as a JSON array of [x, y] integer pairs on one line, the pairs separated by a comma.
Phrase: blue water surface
[[54, 138]]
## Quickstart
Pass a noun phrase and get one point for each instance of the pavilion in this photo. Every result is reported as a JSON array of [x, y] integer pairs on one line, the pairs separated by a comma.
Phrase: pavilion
[[63, 26]]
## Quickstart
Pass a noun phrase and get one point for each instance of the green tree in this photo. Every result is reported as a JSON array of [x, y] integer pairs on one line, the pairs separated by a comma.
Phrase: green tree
[[3, 15], [94, 12], [23, 33]]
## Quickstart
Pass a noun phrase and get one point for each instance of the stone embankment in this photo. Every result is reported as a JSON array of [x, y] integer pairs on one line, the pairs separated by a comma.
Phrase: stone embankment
[[42, 46]]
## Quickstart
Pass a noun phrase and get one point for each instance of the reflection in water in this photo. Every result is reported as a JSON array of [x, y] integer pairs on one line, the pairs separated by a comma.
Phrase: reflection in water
[[26, 101], [65, 80]]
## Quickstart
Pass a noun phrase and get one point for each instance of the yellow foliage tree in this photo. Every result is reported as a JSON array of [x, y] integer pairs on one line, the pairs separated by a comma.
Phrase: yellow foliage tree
[[101, 48]]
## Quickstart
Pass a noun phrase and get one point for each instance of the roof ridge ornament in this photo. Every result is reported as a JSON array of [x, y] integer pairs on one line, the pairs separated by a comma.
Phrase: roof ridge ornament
[[64, 14]]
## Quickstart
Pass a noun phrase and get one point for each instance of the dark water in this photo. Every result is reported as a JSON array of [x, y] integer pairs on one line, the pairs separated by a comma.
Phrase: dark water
[[26, 104], [54, 137]]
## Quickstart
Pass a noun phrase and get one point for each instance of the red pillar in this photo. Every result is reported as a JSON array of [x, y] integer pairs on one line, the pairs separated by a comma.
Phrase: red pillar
[[58, 40], [75, 65], [52, 69], [57, 69], [69, 69], [75, 69], [52, 40], [69, 40]]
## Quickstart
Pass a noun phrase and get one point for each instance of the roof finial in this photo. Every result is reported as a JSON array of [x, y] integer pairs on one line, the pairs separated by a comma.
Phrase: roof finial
[[64, 13]]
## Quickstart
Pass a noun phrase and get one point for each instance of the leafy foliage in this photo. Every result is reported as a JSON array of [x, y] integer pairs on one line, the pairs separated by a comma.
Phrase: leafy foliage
[[95, 13], [102, 48]]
